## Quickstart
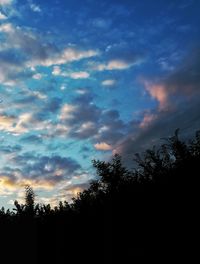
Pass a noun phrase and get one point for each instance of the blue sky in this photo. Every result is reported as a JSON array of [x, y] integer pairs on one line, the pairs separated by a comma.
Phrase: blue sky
[[85, 79]]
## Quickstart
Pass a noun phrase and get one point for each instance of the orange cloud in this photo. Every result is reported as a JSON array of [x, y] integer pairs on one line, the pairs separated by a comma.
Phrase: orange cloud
[[158, 92], [13, 184], [103, 146], [147, 119]]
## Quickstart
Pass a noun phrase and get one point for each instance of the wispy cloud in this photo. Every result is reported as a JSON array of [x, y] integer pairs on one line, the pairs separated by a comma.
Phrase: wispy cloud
[[116, 64]]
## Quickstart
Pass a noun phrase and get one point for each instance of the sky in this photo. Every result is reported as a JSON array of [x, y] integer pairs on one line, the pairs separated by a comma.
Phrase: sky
[[84, 79]]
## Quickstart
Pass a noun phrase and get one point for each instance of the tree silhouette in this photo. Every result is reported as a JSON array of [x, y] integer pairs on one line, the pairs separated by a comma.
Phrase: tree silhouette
[[124, 213], [29, 200]]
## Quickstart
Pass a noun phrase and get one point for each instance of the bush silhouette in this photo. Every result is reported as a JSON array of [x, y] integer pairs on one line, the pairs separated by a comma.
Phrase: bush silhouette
[[145, 212]]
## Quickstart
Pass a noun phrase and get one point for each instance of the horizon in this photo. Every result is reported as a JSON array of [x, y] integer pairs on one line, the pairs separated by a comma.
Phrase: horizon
[[84, 80]]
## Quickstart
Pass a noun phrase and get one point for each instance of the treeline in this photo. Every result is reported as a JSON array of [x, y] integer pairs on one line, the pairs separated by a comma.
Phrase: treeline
[[145, 212]]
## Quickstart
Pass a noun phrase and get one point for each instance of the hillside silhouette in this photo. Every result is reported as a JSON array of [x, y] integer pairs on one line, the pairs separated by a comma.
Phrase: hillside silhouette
[[126, 215]]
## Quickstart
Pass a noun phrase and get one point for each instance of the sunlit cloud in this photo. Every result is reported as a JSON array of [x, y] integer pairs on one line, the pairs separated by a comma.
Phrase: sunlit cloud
[[113, 65], [66, 56], [103, 146], [37, 76], [158, 92], [33, 51], [108, 82], [6, 28], [147, 120], [57, 71], [67, 111], [23, 124], [117, 64], [73, 75], [79, 75], [9, 184]]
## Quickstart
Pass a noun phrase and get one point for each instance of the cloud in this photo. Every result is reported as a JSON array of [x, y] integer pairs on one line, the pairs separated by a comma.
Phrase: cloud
[[102, 146], [6, 122], [86, 130], [111, 128], [52, 168], [8, 149], [18, 125], [66, 56], [74, 75], [108, 82], [52, 105], [158, 92], [119, 58], [35, 8], [101, 23], [32, 139], [37, 76], [15, 125], [116, 64], [179, 107], [5, 2], [67, 111], [71, 190], [81, 120], [148, 118], [28, 99], [57, 71], [22, 50], [10, 65], [79, 75], [6, 28], [2, 16], [8, 185], [85, 120]]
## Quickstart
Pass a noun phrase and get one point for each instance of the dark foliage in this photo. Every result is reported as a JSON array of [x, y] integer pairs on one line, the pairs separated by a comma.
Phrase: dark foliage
[[146, 213]]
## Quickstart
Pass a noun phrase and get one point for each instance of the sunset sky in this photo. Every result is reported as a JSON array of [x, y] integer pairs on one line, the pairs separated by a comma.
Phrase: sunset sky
[[83, 79]]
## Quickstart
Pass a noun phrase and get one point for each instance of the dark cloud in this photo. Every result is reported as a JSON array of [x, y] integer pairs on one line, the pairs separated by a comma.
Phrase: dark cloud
[[186, 79], [53, 168], [126, 52], [25, 100], [80, 186], [11, 57], [53, 105], [10, 149], [187, 119], [54, 146], [47, 107], [87, 120], [112, 127], [31, 139], [84, 118], [85, 149], [183, 111]]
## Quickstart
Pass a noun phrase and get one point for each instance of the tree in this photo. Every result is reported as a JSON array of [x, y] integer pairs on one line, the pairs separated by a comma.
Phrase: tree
[[29, 200], [111, 173]]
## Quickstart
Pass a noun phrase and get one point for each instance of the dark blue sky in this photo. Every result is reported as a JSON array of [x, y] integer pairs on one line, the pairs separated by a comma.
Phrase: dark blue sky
[[84, 79]]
